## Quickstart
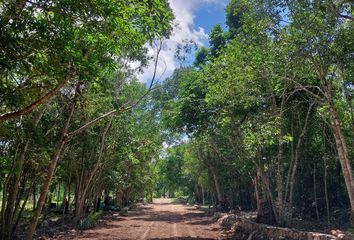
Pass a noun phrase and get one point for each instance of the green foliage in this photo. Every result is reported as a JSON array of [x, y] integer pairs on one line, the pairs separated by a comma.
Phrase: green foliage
[[184, 108], [268, 108], [217, 40], [47, 43], [260, 101], [234, 11], [90, 221], [171, 176], [201, 57], [63, 55]]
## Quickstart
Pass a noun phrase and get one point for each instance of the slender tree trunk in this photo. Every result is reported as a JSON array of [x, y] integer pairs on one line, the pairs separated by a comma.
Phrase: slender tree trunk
[[197, 193], [343, 157], [79, 179], [14, 227], [296, 156], [315, 192], [69, 197], [213, 200], [280, 173], [64, 203], [12, 204], [203, 196], [76, 197], [79, 184], [256, 192], [67, 192], [118, 198], [325, 187], [278, 113], [217, 185], [268, 192], [287, 184], [34, 197], [50, 172], [3, 205], [340, 142], [58, 196], [83, 195], [18, 203]]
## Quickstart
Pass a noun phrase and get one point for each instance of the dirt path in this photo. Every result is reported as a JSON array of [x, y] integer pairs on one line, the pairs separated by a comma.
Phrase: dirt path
[[160, 220]]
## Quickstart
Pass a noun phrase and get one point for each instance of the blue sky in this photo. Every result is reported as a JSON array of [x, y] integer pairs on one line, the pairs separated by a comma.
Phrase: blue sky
[[207, 15], [193, 20]]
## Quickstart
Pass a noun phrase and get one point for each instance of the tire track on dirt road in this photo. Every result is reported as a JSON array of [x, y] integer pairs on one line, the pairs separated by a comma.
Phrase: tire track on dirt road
[[161, 220]]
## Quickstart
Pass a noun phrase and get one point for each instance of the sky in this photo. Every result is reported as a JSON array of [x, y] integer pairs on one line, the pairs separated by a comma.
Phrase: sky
[[193, 20]]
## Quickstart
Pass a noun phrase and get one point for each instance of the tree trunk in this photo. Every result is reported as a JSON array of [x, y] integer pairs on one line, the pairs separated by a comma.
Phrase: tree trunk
[[11, 210], [280, 173], [325, 187], [268, 192], [119, 199], [50, 172], [296, 157], [203, 196], [14, 227], [197, 193], [34, 197], [83, 195], [3, 205], [65, 199], [76, 196], [343, 157], [69, 197], [315, 192], [58, 196], [217, 185], [278, 114], [256, 191]]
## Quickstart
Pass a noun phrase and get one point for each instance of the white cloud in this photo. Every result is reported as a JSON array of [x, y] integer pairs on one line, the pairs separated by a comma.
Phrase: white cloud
[[185, 29]]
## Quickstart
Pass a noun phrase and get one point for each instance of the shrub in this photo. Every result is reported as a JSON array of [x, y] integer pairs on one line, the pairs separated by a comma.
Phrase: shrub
[[89, 221]]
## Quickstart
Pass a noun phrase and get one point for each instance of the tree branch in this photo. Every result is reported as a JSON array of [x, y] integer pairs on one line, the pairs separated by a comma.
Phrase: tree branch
[[33, 105], [346, 17], [123, 108]]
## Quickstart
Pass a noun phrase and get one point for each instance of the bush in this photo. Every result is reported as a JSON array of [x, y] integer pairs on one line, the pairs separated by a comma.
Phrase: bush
[[89, 221], [179, 194]]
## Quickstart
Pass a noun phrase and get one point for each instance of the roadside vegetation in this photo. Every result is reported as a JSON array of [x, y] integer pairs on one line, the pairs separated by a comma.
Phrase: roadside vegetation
[[267, 111]]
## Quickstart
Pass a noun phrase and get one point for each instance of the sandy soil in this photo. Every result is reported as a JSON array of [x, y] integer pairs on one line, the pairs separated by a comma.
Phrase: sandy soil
[[160, 220]]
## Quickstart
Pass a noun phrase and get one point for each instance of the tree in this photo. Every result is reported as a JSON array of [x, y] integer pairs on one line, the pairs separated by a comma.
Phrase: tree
[[67, 51], [321, 40], [217, 40], [201, 57], [273, 66], [64, 41]]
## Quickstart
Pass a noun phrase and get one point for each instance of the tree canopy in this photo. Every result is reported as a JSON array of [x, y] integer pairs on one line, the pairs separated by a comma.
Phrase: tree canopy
[[262, 120]]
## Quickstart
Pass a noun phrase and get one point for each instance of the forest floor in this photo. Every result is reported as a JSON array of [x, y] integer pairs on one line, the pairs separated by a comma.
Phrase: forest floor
[[161, 220]]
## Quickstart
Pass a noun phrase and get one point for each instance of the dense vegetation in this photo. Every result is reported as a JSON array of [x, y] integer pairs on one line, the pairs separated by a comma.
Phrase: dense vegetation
[[268, 113], [67, 94], [263, 119]]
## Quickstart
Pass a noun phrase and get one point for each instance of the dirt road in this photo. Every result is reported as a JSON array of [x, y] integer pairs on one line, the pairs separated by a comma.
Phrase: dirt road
[[160, 220]]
